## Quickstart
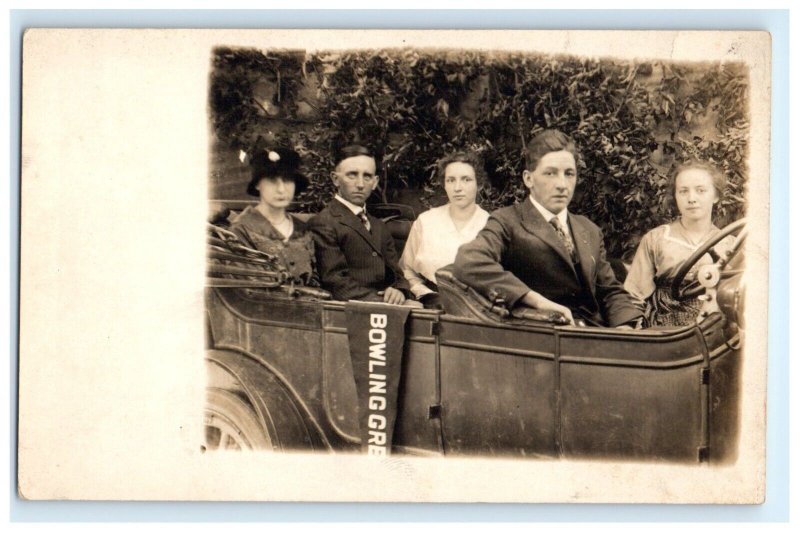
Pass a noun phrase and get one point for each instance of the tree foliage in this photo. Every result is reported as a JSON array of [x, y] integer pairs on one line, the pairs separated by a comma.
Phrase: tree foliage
[[633, 122]]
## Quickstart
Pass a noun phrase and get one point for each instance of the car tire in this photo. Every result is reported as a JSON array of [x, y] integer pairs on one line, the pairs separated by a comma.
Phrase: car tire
[[231, 423]]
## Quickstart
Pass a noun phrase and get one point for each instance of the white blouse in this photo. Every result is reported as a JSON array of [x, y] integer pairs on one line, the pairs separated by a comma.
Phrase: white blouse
[[433, 242]]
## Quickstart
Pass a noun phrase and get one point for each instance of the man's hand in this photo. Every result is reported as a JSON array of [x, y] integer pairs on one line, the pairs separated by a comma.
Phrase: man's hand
[[537, 301], [393, 296]]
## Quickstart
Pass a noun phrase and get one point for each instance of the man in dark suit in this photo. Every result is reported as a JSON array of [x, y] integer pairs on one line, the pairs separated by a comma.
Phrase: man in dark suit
[[356, 257], [539, 255]]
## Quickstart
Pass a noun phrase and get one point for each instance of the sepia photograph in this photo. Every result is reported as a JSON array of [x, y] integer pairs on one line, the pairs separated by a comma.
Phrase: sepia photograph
[[596, 338], [406, 265]]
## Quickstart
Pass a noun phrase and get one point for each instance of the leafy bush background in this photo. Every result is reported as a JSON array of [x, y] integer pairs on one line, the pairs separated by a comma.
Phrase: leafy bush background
[[633, 123]]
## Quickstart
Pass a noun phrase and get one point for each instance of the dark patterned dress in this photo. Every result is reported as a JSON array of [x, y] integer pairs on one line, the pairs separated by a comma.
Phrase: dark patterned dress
[[296, 251]]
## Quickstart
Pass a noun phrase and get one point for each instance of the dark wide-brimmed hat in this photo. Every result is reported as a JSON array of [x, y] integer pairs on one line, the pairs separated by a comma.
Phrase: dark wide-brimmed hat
[[273, 163]]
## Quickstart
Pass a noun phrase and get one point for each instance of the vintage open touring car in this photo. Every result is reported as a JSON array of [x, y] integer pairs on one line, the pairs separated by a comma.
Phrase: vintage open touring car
[[476, 379]]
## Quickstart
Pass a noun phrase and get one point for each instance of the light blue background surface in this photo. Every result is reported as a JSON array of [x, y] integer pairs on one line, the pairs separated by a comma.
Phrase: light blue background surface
[[776, 507]]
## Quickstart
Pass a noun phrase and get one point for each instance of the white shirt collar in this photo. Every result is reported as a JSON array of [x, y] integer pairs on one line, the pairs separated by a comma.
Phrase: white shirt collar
[[356, 209], [548, 215]]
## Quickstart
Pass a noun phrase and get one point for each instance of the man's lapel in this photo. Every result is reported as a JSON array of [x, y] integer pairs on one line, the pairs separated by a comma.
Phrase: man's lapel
[[580, 237], [534, 222], [346, 217], [376, 232]]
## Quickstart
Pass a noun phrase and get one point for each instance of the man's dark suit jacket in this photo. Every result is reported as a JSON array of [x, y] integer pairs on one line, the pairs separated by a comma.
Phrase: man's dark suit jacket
[[353, 263], [518, 251]]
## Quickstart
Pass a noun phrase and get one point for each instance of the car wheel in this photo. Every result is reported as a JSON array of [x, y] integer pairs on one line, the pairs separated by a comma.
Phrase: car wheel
[[231, 423]]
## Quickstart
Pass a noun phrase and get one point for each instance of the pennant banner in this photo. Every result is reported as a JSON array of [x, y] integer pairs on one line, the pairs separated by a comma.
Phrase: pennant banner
[[376, 333]]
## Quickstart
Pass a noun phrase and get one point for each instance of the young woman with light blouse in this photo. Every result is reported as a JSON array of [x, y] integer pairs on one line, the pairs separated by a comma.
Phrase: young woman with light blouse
[[696, 188], [437, 233]]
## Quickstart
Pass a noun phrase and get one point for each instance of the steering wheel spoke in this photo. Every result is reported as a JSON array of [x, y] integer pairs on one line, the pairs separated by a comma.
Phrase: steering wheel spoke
[[680, 289], [727, 274], [692, 290]]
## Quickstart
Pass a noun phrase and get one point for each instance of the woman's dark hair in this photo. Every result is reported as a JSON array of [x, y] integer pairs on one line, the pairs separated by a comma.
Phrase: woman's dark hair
[[472, 159], [545, 142], [718, 180]]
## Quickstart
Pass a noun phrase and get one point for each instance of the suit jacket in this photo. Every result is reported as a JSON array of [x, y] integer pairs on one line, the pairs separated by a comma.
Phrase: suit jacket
[[353, 263], [518, 251]]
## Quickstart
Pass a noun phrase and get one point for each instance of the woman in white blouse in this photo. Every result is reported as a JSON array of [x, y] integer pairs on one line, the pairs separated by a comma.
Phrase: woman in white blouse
[[437, 233]]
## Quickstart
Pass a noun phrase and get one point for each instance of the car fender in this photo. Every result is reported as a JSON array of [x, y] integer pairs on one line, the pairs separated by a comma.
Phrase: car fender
[[281, 414]]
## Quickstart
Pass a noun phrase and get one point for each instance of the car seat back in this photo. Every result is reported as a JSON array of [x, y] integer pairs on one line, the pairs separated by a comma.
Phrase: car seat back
[[459, 299]]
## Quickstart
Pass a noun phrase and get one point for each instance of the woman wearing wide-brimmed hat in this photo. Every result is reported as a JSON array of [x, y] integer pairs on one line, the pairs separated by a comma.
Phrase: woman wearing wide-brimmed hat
[[267, 226]]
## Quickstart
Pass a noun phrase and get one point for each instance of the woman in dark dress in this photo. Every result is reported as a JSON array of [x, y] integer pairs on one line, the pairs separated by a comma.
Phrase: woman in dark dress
[[267, 226]]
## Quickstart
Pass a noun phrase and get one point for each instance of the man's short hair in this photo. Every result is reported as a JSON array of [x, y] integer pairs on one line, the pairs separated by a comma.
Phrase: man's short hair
[[352, 150], [545, 142]]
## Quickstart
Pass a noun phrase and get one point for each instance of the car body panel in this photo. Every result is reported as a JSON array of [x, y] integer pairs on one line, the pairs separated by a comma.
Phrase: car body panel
[[472, 388]]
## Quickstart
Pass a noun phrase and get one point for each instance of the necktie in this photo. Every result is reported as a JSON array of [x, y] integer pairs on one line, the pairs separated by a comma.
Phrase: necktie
[[364, 220], [564, 237]]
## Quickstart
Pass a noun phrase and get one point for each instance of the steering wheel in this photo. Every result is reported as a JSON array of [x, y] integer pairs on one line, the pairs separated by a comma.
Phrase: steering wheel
[[708, 275]]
